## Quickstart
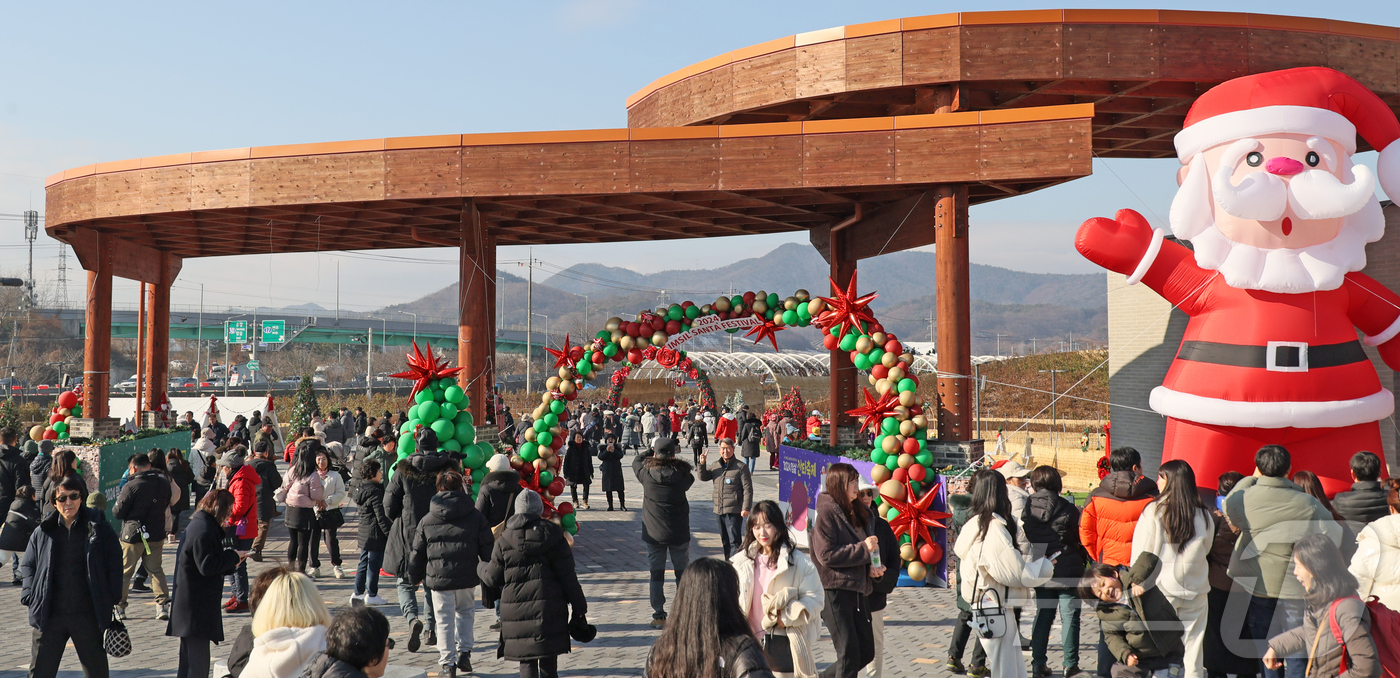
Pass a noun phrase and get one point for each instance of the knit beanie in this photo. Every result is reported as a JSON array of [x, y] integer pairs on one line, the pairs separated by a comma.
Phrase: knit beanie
[[528, 503], [233, 458], [498, 462]]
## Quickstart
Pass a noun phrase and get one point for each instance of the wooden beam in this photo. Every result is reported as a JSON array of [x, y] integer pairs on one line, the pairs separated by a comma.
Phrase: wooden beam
[[126, 259]]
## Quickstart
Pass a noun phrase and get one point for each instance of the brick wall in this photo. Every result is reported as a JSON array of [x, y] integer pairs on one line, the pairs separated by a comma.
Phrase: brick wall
[[1144, 333]]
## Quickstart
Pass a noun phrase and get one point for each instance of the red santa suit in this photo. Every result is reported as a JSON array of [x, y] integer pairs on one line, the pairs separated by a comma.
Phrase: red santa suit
[[1258, 367]]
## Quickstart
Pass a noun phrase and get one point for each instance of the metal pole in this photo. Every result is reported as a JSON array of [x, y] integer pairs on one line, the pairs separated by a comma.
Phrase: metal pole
[[369, 364], [977, 401], [337, 292], [1054, 396], [226, 374], [529, 325], [199, 333], [731, 336]]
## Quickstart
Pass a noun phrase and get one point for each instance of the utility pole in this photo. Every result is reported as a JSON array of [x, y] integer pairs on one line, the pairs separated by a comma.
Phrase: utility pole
[[931, 336], [31, 233], [977, 401], [369, 364], [999, 336], [529, 317], [1032, 345], [199, 333], [1054, 425], [62, 275]]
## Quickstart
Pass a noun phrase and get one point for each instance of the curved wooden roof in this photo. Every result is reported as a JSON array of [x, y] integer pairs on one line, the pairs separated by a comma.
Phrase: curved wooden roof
[[1140, 68]]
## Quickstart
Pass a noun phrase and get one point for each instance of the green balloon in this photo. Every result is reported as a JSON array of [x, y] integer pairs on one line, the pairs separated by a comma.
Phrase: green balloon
[[474, 459], [889, 425], [878, 456], [529, 452], [769, 313], [546, 478], [791, 318], [544, 438], [915, 486], [572, 529], [924, 458], [736, 302], [804, 314], [862, 362], [892, 462], [454, 394], [904, 539], [692, 312], [444, 429], [428, 411], [835, 330], [894, 513], [611, 350], [674, 312], [772, 299], [876, 354], [60, 427], [477, 475], [463, 415], [447, 411], [407, 427], [604, 335], [907, 384], [569, 522], [540, 426], [585, 366], [466, 433], [556, 407], [551, 420], [405, 443], [848, 342], [423, 396], [413, 412], [450, 445], [63, 435]]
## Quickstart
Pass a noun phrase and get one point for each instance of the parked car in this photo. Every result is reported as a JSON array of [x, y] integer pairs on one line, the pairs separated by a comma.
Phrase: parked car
[[182, 383]]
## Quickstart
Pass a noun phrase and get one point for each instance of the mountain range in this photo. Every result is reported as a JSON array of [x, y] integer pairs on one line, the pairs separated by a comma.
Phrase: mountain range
[[1017, 305]]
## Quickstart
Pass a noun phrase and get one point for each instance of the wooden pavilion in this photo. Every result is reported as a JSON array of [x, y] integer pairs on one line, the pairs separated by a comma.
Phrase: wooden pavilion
[[873, 138]]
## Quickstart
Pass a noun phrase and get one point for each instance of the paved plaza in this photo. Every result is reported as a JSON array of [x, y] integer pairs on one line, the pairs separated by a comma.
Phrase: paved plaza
[[611, 560]]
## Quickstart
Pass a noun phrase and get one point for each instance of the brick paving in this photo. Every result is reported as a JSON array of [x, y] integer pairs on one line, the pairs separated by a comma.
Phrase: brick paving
[[611, 561]]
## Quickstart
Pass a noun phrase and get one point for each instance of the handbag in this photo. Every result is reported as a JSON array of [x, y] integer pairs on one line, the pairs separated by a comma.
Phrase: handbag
[[330, 519], [116, 641], [988, 615], [777, 649]]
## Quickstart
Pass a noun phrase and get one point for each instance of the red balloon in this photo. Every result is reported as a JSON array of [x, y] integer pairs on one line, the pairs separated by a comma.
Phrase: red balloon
[[564, 508], [748, 299], [892, 346], [879, 371], [916, 471], [853, 355], [55, 418], [687, 304], [673, 327], [50, 434], [658, 323], [67, 399], [900, 475], [556, 488], [635, 356], [903, 366], [911, 446], [930, 553], [830, 342], [723, 315], [572, 395], [575, 353], [876, 327], [597, 357], [633, 329]]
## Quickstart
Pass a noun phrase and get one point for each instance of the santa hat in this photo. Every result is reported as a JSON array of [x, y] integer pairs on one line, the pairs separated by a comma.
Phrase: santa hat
[[1314, 101]]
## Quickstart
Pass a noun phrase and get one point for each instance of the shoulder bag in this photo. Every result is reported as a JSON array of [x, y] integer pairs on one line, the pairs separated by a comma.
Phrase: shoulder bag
[[116, 641], [777, 649], [988, 615]]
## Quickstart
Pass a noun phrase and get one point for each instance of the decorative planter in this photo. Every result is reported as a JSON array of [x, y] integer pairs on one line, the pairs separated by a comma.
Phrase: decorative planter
[[102, 467]]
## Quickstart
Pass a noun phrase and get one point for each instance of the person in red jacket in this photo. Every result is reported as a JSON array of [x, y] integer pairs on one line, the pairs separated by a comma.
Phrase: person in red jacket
[[241, 480], [1109, 518], [727, 426]]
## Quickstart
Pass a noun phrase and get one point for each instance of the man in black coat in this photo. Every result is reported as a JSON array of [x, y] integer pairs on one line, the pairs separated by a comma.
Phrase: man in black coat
[[886, 583], [141, 507], [665, 516], [450, 541], [533, 565], [13, 471], [266, 469], [71, 583], [406, 501], [1366, 502]]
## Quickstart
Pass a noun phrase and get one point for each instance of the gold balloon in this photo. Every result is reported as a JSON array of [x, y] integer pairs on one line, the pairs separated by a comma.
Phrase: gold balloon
[[567, 387], [920, 421], [883, 386], [871, 378], [707, 309], [878, 338], [565, 373], [892, 489], [790, 304], [803, 296], [901, 412], [879, 474], [778, 319], [540, 464], [538, 413], [884, 508], [546, 453], [721, 304], [659, 339], [906, 399], [760, 306], [547, 398], [906, 460], [863, 345], [761, 294], [906, 358], [907, 428], [626, 343], [917, 570], [530, 434], [889, 445], [815, 307], [613, 324], [896, 374], [907, 552], [63, 411], [889, 360], [36, 433], [552, 383]]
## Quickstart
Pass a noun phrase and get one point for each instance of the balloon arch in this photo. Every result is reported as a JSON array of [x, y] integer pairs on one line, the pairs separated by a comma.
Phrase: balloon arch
[[894, 414]]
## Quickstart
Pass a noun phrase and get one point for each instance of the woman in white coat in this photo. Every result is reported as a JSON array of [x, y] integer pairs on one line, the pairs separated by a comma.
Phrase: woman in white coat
[[779, 589], [991, 559], [1376, 564], [1178, 528]]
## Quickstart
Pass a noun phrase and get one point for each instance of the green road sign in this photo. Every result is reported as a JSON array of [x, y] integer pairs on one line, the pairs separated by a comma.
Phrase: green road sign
[[253, 365], [235, 331], [274, 331]]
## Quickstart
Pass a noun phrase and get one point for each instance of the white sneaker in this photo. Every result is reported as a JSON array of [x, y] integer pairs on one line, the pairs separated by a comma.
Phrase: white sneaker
[[375, 600], [355, 597], [339, 572], [314, 572]]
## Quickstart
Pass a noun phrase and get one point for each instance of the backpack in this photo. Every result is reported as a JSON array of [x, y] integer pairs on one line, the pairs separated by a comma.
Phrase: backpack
[[1385, 632]]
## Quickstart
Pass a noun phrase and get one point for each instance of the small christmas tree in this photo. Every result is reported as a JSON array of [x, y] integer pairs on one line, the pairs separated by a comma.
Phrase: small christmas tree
[[794, 405], [304, 404], [9, 415], [735, 401]]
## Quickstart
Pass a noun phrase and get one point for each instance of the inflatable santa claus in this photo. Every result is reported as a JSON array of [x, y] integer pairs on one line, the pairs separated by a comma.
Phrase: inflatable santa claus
[[1278, 218]]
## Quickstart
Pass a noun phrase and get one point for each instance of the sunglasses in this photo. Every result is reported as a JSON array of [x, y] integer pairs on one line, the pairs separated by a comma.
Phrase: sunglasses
[[390, 644], [71, 496]]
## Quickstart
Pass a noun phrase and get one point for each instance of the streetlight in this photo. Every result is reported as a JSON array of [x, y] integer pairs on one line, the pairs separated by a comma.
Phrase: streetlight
[[1054, 396], [415, 323], [61, 374], [546, 326]]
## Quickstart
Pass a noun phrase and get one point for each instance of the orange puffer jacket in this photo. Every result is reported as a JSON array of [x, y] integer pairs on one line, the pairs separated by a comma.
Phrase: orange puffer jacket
[[1106, 525]]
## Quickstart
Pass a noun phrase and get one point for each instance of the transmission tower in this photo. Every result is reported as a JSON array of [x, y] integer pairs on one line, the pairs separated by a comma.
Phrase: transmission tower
[[62, 275], [31, 233]]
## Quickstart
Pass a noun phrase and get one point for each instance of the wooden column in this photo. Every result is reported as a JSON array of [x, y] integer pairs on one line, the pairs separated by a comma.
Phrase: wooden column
[[474, 332], [954, 315], [489, 259], [843, 371], [157, 347], [97, 344], [141, 362]]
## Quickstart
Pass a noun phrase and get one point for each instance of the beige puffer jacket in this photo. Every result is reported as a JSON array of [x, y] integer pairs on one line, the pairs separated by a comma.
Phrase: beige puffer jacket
[[794, 596], [1376, 564]]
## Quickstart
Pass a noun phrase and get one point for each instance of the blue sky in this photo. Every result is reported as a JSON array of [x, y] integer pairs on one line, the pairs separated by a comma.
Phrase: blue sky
[[92, 82]]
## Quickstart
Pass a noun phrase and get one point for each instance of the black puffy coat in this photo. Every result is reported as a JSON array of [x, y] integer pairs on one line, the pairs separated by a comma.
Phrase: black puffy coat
[[39, 470], [533, 566], [578, 463], [665, 508], [375, 526], [451, 540], [611, 467], [1363, 504], [326, 666], [19, 524], [750, 434], [495, 499], [267, 489], [14, 471], [103, 554], [1051, 524], [406, 502], [202, 566], [144, 499]]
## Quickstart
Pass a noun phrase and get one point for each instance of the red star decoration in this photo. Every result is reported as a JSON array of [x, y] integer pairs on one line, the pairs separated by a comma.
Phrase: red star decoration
[[766, 330], [845, 308], [562, 358], [916, 517], [875, 410], [423, 368]]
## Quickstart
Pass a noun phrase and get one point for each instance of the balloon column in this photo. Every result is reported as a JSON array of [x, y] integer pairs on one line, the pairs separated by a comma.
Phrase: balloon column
[[440, 404], [60, 416]]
